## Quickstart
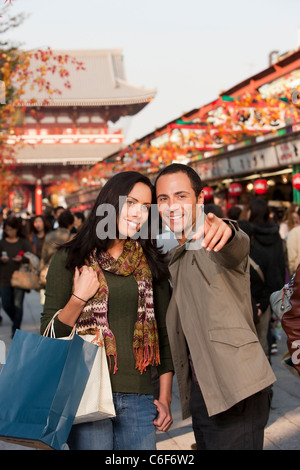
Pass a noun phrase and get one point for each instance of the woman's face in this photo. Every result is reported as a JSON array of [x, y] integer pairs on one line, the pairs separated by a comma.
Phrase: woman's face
[[295, 218], [38, 224], [135, 210], [11, 232], [77, 222]]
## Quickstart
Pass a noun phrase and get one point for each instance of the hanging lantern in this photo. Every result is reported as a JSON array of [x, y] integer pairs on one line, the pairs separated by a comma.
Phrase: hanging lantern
[[296, 181], [235, 189], [260, 186], [208, 192]]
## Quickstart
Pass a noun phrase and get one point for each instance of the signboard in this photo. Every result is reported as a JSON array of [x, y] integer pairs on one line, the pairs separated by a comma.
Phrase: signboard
[[288, 153], [248, 162]]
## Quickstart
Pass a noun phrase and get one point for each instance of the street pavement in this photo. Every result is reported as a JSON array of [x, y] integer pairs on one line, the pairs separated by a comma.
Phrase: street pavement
[[283, 428]]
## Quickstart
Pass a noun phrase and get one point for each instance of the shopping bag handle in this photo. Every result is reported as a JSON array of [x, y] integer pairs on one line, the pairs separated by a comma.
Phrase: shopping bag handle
[[50, 328]]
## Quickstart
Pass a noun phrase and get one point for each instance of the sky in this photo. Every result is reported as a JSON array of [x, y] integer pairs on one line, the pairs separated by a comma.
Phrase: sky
[[187, 50]]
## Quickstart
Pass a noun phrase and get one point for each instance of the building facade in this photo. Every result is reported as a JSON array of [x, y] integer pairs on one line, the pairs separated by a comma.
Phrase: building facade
[[76, 129]]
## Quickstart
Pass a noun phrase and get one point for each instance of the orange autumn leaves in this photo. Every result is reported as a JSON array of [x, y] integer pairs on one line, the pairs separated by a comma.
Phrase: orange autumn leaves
[[20, 71]]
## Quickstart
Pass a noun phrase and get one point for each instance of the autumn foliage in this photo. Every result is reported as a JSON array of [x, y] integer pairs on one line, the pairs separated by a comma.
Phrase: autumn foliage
[[21, 71]]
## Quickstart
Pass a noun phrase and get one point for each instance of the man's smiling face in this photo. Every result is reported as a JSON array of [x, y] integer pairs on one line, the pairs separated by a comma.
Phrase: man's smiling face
[[177, 203]]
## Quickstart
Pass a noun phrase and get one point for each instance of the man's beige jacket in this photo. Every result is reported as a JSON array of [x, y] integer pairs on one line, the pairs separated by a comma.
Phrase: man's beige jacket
[[210, 316]]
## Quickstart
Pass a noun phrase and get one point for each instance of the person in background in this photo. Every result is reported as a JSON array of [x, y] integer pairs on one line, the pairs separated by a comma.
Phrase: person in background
[[39, 227], [52, 241], [79, 219], [234, 212], [290, 220], [266, 238], [110, 278], [57, 237], [48, 213], [291, 323], [293, 249], [12, 248], [260, 284], [57, 211]]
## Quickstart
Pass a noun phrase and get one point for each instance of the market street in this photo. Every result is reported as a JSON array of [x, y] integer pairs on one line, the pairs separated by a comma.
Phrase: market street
[[282, 431]]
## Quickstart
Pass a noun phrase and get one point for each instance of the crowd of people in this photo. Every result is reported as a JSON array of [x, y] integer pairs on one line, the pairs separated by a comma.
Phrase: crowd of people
[[192, 310], [36, 234]]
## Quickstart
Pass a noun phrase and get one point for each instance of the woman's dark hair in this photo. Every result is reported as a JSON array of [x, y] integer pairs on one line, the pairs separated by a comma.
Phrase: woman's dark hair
[[259, 213], [86, 240], [16, 223], [190, 172]]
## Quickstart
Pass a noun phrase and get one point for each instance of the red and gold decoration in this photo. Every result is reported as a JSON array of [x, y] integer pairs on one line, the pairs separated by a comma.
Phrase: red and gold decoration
[[229, 120]]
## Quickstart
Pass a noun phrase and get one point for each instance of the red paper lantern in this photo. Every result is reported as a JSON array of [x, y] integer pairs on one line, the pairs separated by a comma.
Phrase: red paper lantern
[[208, 192], [260, 186], [235, 189], [296, 181]]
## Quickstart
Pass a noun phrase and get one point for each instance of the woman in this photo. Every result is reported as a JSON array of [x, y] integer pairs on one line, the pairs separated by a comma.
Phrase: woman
[[106, 279], [12, 247], [291, 219], [39, 227], [79, 219]]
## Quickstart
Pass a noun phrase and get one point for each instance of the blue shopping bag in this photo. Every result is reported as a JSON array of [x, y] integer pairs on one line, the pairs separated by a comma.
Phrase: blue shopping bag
[[41, 386]]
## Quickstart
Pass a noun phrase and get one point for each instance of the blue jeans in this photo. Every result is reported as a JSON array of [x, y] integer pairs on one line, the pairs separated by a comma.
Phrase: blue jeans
[[131, 429], [12, 302]]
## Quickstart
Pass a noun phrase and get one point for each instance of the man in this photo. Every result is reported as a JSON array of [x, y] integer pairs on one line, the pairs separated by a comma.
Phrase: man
[[223, 375]]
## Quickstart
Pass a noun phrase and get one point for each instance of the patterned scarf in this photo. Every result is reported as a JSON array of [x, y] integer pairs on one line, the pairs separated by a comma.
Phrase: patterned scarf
[[94, 315]]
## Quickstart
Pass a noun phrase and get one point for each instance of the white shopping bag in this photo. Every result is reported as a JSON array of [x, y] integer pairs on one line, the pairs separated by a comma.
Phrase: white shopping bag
[[97, 401]]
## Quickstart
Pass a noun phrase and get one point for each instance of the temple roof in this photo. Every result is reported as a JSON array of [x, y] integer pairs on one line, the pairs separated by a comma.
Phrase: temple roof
[[71, 154], [102, 83]]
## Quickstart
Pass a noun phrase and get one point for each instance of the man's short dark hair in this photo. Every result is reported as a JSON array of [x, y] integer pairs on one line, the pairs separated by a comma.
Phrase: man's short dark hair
[[65, 219], [189, 171]]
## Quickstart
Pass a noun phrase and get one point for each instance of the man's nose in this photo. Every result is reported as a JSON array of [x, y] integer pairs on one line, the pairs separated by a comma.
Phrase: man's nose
[[173, 206]]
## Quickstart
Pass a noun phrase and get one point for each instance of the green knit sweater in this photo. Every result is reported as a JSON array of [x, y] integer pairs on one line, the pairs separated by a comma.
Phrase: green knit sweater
[[122, 314]]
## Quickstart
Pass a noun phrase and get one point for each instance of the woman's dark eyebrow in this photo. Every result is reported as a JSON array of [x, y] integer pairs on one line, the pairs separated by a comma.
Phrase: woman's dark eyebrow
[[138, 201]]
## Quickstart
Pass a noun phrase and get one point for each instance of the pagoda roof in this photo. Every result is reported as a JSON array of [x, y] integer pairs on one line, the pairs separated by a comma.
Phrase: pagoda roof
[[102, 83], [65, 154]]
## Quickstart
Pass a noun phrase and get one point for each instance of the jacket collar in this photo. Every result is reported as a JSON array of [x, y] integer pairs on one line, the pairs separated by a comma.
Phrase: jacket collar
[[188, 245]]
